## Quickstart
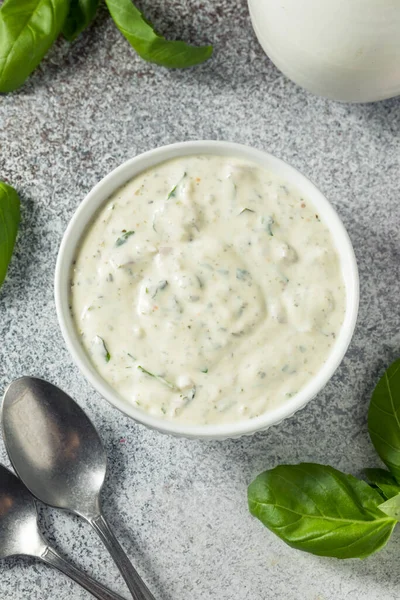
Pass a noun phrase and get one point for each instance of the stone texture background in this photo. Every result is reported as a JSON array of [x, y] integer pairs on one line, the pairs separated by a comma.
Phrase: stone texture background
[[179, 507]]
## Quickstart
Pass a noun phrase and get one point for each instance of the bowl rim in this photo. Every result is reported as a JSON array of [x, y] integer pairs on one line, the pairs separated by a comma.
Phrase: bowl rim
[[99, 194]]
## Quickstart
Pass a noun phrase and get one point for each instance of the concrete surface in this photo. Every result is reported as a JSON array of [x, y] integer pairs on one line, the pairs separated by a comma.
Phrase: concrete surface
[[179, 507]]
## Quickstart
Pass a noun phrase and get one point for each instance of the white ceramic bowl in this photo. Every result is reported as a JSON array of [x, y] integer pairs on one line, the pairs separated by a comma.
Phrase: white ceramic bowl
[[101, 192]]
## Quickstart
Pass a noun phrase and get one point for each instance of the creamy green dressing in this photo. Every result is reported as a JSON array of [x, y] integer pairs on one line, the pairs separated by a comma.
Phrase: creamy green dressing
[[207, 290]]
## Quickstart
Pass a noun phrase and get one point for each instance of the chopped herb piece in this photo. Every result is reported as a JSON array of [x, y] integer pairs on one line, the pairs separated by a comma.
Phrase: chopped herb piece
[[178, 305], [124, 238], [246, 210], [204, 370], [172, 193], [207, 266], [99, 340], [283, 277], [158, 377], [199, 281], [242, 274], [234, 189], [131, 356], [267, 222], [242, 309], [190, 395], [161, 286]]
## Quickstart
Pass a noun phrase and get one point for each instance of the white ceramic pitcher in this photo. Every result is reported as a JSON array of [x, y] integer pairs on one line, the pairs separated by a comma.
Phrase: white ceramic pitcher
[[347, 50]]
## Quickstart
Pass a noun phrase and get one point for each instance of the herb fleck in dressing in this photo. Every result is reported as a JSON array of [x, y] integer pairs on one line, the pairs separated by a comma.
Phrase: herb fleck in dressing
[[207, 291]]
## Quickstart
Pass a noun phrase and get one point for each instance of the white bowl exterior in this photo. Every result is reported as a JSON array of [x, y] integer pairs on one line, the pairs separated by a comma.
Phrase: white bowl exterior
[[103, 190], [346, 50]]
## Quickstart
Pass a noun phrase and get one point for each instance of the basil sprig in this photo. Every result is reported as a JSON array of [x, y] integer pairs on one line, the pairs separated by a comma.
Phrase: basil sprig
[[28, 28], [9, 220], [318, 509]]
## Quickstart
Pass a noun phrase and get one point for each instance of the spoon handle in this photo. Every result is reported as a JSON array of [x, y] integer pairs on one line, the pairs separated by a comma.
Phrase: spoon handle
[[135, 583], [51, 557]]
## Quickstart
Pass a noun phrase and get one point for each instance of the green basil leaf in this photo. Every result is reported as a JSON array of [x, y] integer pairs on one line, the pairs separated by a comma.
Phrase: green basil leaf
[[318, 509], [148, 44], [384, 418], [392, 507], [27, 30], [81, 14], [9, 220], [383, 480]]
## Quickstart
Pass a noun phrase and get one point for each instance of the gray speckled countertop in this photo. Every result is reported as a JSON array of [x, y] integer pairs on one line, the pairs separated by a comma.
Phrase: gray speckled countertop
[[179, 507]]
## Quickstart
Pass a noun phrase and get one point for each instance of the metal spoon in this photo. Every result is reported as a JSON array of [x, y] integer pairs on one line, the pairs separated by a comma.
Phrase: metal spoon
[[19, 534], [57, 453]]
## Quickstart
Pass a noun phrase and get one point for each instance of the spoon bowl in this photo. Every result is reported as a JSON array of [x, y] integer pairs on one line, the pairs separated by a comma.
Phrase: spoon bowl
[[19, 534], [53, 446]]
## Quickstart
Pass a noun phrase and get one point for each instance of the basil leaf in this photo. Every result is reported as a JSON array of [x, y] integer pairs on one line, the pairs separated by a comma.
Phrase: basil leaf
[[383, 480], [9, 220], [81, 14], [318, 509], [148, 44], [27, 30], [384, 418], [392, 507]]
